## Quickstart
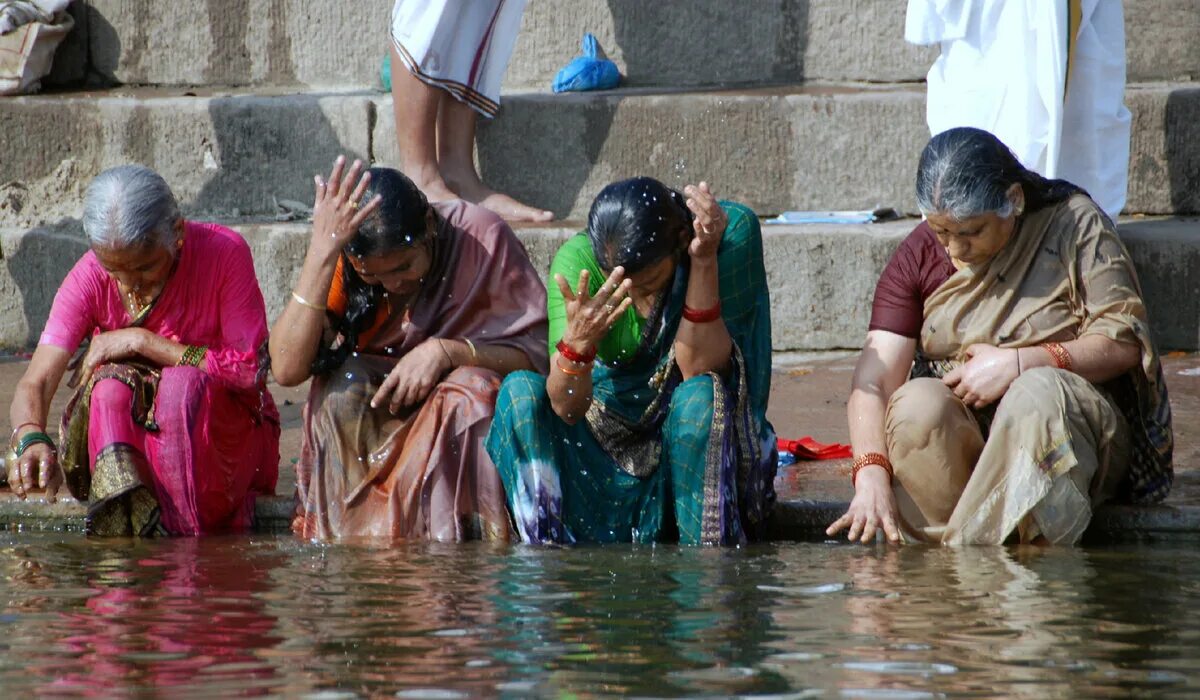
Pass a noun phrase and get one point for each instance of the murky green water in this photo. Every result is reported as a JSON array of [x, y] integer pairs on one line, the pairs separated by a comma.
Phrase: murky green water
[[272, 616]]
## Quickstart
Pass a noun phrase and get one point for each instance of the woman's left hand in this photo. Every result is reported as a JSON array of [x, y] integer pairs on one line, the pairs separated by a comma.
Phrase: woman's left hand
[[111, 346], [986, 375], [413, 377], [709, 221]]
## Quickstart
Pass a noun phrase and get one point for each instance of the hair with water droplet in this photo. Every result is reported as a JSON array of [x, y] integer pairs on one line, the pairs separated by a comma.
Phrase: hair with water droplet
[[636, 223]]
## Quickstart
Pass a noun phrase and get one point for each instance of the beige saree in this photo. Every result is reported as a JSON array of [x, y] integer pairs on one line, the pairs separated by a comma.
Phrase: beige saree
[[1055, 446]]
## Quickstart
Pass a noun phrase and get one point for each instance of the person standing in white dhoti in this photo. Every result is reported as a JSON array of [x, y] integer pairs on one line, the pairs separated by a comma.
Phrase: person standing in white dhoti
[[1047, 77], [448, 58]]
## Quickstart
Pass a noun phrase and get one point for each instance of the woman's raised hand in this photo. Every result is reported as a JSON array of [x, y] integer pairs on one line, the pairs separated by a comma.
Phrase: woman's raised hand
[[336, 214], [590, 318], [709, 221]]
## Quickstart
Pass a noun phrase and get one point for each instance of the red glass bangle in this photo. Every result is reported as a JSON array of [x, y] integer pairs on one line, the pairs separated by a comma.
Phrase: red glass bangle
[[867, 460], [1062, 358], [702, 315], [571, 354]]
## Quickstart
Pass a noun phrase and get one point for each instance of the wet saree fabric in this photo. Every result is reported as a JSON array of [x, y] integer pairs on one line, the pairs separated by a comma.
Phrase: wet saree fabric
[[423, 474], [180, 450], [657, 458]]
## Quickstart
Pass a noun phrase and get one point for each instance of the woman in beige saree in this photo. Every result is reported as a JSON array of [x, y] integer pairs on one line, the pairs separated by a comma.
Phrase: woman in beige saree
[[1009, 383], [406, 315]]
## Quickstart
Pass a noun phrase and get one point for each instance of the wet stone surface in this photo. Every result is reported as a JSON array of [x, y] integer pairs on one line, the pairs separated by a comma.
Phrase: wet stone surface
[[808, 398]]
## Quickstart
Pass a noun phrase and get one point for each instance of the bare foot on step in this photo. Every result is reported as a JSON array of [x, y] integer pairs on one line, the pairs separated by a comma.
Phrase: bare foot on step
[[475, 192]]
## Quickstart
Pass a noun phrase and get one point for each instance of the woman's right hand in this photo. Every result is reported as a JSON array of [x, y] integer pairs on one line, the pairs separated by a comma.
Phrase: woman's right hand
[[336, 214], [37, 467], [873, 508], [590, 318]]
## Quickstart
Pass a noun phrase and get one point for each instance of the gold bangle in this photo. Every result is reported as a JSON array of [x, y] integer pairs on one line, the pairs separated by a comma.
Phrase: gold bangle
[[442, 344], [305, 302], [474, 353], [12, 439]]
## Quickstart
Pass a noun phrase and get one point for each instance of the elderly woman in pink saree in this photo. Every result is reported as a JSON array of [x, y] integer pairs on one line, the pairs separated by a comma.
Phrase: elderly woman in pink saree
[[406, 316], [171, 429]]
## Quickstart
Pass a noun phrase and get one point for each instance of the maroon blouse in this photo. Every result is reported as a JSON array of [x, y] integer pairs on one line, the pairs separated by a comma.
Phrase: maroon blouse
[[918, 267]]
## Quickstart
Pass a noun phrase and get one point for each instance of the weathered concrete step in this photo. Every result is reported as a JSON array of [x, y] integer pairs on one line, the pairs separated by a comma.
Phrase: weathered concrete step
[[806, 147], [697, 43], [822, 277], [814, 147], [222, 153], [793, 520]]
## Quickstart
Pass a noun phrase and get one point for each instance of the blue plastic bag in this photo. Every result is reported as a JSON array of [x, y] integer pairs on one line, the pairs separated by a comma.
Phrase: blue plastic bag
[[587, 72]]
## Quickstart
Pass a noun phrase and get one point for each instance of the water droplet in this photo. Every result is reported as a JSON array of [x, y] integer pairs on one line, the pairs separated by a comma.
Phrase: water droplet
[[579, 444]]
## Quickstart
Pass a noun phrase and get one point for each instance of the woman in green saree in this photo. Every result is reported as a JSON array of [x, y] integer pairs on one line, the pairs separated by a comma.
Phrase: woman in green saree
[[652, 423]]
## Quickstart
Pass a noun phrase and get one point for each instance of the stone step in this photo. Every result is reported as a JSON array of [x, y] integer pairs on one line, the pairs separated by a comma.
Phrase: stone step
[[794, 520], [231, 153], [821, 276], [677, 44]]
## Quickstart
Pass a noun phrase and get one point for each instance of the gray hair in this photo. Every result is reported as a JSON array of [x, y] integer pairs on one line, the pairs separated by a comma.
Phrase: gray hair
[[130, 205], [967, 172]]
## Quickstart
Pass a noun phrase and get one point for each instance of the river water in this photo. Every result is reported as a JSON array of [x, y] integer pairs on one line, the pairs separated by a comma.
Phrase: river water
[[273, 616]]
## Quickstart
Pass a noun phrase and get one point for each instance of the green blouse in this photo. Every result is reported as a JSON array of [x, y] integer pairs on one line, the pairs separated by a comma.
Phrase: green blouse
[[576, 255]]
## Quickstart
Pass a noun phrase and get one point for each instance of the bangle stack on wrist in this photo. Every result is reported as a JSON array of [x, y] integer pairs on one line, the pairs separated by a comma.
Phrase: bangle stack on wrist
[[870, 459], [1062, 358], [33, 437], [193, 355], [566, 352]]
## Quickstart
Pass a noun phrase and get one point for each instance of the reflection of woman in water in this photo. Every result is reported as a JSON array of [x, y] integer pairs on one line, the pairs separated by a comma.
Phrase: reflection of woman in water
[[162, 619]]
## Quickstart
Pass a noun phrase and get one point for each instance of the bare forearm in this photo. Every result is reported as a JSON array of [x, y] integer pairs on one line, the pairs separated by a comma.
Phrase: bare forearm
[[866, 412], [1093, 357], [161, 351], [570, 394], [296, 334], [35, 390], [702, 347], [498, 358], [31, 403]]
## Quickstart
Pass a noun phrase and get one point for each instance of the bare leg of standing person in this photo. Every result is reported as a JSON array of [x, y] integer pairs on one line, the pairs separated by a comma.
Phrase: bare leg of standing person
[[456, 159], [416, 108]]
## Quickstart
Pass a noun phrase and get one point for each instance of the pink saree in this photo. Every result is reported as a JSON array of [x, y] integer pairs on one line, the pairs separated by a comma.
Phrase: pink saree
[[172, 450], [364, 472]]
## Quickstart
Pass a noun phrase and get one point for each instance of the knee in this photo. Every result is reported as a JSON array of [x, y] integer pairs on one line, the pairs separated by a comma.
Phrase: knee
[[347, 388], [522, 393], [476, 382], [111, 393], [920, 407], [691, 409], [1033, 393]]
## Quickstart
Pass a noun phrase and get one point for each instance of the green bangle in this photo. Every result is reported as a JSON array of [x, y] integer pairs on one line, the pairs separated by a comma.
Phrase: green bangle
[[32, 438], [193, 355]]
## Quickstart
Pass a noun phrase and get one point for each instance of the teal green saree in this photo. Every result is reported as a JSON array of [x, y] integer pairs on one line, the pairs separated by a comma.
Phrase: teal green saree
[[657, 458]]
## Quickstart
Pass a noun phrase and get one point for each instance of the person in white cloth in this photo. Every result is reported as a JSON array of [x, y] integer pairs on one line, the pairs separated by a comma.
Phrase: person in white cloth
[[1046, 77], [448, 58]]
